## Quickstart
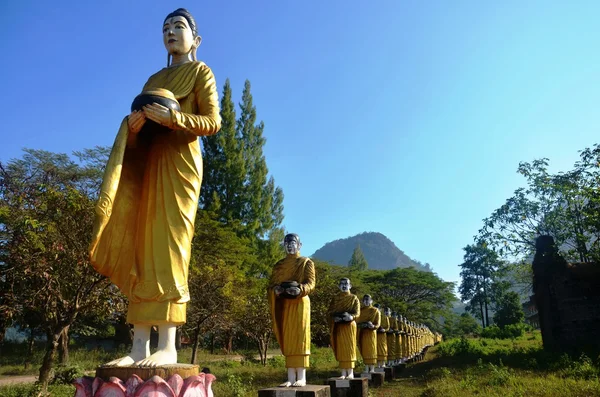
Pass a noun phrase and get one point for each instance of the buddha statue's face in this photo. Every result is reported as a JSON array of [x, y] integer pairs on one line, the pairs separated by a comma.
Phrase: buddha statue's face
[[367, 301], [178, 37], [345, 285], [292, 246], [387, 311]]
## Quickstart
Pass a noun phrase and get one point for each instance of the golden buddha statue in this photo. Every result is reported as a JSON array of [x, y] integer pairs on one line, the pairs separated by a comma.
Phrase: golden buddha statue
[[149, 195], [344, 309], [384, 326], [292, 280], [368, 322]]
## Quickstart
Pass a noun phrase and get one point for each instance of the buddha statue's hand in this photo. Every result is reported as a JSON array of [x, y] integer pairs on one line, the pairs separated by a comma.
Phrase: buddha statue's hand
[[278, 290], [370, 325], [348, 317], [136, 121], [159, 114], [294, 291]]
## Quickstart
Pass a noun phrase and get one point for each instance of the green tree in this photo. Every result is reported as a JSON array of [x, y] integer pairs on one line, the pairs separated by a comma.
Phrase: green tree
[[358, 262], [47, 202], [419, 296], [467, 325], [481, 268], [510, 310]]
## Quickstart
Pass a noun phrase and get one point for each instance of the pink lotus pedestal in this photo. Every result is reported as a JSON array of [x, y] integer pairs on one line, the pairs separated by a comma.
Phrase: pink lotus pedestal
[[140, 382]]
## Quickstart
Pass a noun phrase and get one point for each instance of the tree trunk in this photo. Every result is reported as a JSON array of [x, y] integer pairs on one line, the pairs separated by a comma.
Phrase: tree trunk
[[51, 348], [482, 317], [196, 340], [178, 338], [63, 348], [485, 301], [229, 346]]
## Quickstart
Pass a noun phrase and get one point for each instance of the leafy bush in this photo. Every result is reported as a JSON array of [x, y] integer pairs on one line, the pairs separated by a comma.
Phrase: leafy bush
[[64, 374], [511, 331]]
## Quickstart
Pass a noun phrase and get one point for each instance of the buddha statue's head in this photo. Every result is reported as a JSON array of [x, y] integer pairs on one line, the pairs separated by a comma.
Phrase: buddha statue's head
[[387, 311], [367, 300], [292, 244], [345, 285], [180, 34]]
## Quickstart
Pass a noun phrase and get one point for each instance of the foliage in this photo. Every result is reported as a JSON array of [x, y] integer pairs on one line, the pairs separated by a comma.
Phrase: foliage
[[481, 283], [419, 296], [564, 205], [510, 331], [358, 262], [47, 202], [509, 310]]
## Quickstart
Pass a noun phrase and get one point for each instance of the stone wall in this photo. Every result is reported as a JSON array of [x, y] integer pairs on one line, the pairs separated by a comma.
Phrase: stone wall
[[567, 296]]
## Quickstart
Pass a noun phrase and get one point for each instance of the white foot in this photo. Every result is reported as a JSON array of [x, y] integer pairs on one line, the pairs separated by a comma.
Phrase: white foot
[[299, 383], [120, 362], [351, 376], [342, 377], [161, 357], [285, 384]]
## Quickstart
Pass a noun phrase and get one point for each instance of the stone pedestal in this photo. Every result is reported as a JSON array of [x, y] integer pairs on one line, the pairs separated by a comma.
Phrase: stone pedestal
[[389, 374], [398, 368], [306, 391], [177, 380], [375, 378], [357, 387]]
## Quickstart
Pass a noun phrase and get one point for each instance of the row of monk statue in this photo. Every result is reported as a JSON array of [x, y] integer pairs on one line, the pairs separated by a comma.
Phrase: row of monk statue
[[144, 226], [382, 337]]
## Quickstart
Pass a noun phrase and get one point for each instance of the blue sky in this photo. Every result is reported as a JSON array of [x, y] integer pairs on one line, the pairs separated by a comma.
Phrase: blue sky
[[407, 118]]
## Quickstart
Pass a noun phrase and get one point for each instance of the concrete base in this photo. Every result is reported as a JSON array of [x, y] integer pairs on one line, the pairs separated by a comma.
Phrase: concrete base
[[357, 387], [389, 374], [375, 378], [306, 391], [398, 368]]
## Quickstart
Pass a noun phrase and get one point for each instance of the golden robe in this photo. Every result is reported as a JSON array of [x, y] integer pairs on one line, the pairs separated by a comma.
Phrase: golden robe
[[343, 335], [148, 200], [382, 350], [367, 338], [404, 328], [291, 317], [398, 343], [391, 339]]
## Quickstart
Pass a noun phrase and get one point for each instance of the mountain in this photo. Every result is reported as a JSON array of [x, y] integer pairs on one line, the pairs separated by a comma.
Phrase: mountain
[[381, 253]]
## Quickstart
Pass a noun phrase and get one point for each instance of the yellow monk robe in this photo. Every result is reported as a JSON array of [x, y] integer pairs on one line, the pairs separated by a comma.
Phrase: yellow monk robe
[[367, 338], [291, 317], [391, 339], [343, 335], [398, 343], [382, 350], [404, 340], [148, 200]]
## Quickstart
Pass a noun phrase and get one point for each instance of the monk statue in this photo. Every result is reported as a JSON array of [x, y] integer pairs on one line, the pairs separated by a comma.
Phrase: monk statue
[[292, 280], [384, 326], [148, 199], [404, 339], [391, 337], [344, 309], [367, 323], [397, 339]]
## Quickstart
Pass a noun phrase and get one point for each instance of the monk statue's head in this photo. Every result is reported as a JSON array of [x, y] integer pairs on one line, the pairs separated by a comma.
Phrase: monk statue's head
[[292, 244], [345, 285], [395, 315], [367, 300], [387, 311], [378, 307], [180, 34]]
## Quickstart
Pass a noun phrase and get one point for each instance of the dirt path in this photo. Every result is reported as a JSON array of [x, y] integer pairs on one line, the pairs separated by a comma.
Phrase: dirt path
[[13, 380]]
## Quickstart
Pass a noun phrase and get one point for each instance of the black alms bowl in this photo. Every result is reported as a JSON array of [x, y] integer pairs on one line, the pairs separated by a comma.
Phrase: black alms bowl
[[157, 95], [288, 284]]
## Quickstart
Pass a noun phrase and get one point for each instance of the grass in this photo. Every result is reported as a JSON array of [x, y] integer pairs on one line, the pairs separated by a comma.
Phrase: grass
[[459, 367]]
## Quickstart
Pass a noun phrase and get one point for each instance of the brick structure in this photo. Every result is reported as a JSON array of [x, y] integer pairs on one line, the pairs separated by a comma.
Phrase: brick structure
[[567, 296]]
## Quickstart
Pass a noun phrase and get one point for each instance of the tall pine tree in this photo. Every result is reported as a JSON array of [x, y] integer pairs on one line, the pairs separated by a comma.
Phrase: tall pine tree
[[358, 262]]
